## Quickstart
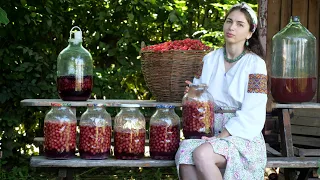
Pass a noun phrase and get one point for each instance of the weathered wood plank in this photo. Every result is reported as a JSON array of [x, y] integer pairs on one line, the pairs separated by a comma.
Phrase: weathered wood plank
[[305, 130], [107, 103], [306, 121], [41, 161], [286, 7], [304, 105], [300, 8], [308, 152], [307, 141], [273, 26], [307, 113], [285, 133]]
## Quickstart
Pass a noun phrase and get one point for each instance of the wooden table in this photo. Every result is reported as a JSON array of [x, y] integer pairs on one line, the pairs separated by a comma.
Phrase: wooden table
[[287, 160]]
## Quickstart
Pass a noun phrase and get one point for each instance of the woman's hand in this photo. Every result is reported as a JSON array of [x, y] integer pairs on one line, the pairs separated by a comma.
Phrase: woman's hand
[[187, 87]]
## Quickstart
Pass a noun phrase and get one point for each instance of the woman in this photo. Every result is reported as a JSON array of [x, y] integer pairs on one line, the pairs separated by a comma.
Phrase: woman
[[236, 76]]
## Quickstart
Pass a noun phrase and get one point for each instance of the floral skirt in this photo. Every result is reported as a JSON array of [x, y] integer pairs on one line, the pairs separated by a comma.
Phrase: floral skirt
[[246, 160]]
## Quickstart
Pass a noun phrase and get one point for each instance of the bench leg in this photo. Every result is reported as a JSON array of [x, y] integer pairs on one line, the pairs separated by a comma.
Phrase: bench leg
[[286, 140], [65, 174]]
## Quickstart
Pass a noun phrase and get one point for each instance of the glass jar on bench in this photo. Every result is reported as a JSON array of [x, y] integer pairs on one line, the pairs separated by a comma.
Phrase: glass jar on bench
[[164, 133], [60, 125], [197, 112], [75, 70], [129, 132], [95, 133]]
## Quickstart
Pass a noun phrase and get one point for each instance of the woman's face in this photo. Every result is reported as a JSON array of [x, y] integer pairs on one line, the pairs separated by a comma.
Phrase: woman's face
[[236, 28]]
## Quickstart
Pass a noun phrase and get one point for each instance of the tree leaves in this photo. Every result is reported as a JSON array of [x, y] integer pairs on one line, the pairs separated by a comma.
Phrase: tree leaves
[[3, 17]]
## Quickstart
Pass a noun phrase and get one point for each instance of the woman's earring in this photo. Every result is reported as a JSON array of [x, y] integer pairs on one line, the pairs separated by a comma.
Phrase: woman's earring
[[247, 42]]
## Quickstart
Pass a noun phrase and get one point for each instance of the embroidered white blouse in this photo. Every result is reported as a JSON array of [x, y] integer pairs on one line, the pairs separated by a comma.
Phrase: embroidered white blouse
[[243, 87]]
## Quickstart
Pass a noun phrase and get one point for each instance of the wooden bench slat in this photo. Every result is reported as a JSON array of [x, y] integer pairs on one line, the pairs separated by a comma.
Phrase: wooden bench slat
[[283, 162], [41, 161]]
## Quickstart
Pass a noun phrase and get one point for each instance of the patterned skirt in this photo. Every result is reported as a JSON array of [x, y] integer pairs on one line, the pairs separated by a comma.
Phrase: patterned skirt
[[246, 160]]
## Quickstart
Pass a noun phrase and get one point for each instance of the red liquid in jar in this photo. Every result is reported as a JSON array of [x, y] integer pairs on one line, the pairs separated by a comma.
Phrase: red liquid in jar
[[71, 90], [290, 90], [129, 144], [164, 141], [198, 119], [95, 142], [59, 139]]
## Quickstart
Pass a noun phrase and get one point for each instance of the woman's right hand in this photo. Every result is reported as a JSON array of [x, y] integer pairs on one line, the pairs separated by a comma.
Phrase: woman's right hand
[[187, 87]]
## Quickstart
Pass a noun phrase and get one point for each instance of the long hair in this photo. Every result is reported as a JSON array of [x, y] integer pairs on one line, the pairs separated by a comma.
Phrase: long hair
[[255, 45]]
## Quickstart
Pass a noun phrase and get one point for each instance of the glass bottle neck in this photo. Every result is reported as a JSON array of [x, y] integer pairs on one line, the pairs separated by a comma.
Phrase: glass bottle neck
[[72, 44], [60, 108], [165, 110], [95, 108], [129, 109]]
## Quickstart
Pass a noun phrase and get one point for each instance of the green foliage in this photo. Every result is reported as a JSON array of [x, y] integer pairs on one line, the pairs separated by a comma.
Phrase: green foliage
[[113, 32], [3, 17]]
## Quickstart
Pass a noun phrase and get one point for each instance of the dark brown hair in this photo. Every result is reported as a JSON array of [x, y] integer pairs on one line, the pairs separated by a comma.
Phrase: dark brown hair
[[254, 42]]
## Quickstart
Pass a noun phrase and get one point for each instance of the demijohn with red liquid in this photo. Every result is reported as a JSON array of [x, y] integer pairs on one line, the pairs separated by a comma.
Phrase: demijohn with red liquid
[[75, 70], [294, 64], [164, 133], [197, 112], [129, 132]]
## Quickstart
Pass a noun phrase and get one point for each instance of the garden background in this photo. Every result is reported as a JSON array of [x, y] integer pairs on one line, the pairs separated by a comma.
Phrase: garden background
[[113, 31]]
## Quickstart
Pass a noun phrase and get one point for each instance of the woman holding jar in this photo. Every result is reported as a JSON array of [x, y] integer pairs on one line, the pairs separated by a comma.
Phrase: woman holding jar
[[236, 76]]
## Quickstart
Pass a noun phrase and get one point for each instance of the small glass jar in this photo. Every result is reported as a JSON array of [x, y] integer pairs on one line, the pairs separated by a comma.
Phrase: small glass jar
[[164, 133], [197, 112], [95, 133], [129, 132], [60, 132]]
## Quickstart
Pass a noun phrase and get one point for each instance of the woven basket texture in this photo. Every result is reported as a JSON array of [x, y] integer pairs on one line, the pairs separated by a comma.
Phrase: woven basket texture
[[165, 73]]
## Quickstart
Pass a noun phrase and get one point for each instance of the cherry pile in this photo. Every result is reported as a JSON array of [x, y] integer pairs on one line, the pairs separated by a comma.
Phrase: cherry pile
[[129, 144], [59, 139], [186, 44], [164, 141], [95, 142], [71, 90], [197, 119]]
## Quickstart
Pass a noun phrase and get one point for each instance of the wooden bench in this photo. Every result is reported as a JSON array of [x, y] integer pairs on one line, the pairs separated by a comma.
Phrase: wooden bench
[[285, 159]]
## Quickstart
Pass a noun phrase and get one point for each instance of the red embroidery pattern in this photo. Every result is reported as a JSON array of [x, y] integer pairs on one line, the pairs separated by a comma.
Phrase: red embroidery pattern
[[257, 83], [199, 71]]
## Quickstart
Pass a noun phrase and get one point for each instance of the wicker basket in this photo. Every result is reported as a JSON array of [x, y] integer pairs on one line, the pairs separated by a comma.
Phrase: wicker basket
[[166, 72]]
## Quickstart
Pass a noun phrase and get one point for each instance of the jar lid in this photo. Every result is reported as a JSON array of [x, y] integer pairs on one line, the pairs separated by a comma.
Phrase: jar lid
[[130, 105], [95, 105], [61, 104], [165, 106]]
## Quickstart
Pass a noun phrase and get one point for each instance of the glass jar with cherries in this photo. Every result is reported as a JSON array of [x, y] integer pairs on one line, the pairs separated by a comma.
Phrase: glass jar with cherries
[[164, 132], [95, 133], [129, 132], [60, 125], [197, 112]]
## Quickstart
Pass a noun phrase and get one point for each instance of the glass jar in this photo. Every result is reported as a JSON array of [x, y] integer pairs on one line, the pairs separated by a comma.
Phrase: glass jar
[[60, 132], [197, 112], [95, 133], [164, 133], [294, 64], [129, 132], [75, 70]]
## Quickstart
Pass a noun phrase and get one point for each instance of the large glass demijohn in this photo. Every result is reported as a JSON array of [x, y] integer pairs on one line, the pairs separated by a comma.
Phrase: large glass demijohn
[[294, 64]]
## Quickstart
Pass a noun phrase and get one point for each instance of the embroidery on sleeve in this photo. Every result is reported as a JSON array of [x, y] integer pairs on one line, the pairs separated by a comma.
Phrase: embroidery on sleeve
[[199, 70], [257, 83]]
